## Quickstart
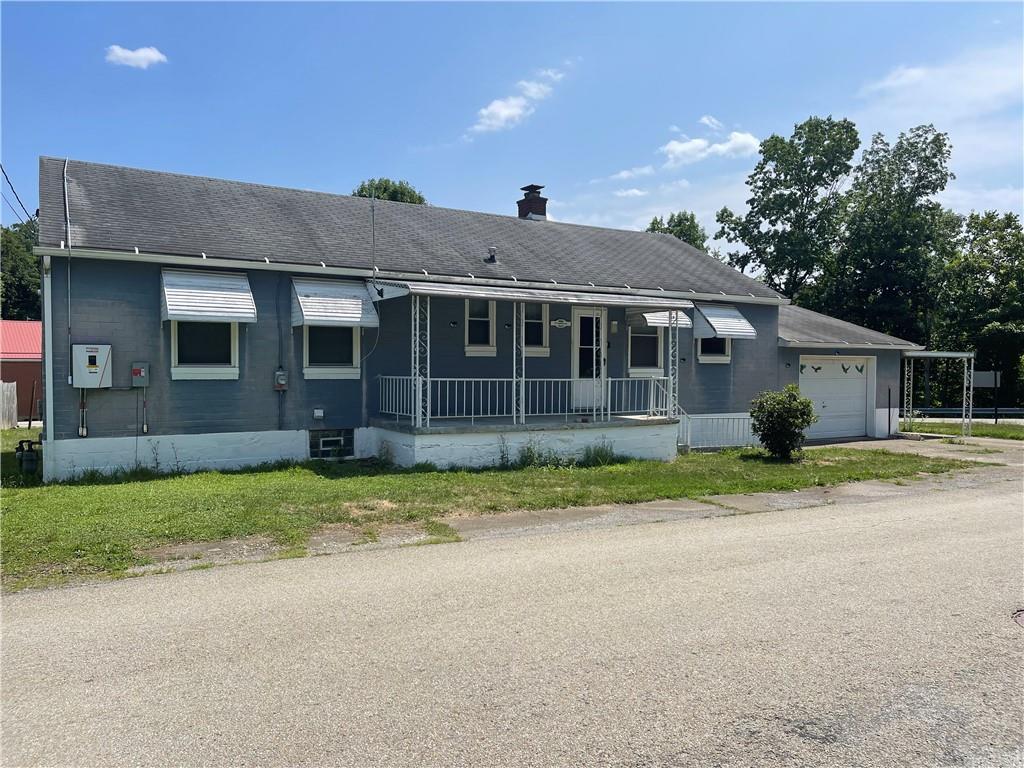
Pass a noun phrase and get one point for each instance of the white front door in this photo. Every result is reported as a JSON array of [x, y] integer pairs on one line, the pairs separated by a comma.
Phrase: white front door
[[838, 387], [588, 358]]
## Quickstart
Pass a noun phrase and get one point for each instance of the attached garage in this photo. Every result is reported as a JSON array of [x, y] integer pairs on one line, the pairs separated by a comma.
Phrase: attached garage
[[838, 386]]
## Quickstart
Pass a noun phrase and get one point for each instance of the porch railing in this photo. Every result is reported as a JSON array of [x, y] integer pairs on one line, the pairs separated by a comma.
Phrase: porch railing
[[480, 398], [716, 431]]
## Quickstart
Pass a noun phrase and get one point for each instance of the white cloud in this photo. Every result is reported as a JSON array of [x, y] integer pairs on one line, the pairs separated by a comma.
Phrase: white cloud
[[502, 113], [551, 74], [508, 112], [531, 89], [965, 200], [633, 192], [140, 58], [739, 144], [632, 173], [711, 122], [675, 129]]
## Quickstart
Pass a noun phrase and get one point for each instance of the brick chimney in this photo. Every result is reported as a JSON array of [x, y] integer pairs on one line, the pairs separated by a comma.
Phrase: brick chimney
[[533, 206]]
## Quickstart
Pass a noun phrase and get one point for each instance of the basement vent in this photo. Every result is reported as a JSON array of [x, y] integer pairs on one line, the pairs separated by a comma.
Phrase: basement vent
[[331, 444]]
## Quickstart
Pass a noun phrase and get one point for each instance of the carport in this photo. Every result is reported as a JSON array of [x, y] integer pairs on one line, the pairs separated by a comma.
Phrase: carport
[[967, 404]]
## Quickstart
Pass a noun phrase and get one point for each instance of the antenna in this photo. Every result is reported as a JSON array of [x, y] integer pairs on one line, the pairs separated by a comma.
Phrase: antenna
[[373, 228]]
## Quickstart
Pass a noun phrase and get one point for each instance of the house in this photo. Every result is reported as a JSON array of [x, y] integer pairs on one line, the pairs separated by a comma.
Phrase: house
[[21, 362], [195, 322]]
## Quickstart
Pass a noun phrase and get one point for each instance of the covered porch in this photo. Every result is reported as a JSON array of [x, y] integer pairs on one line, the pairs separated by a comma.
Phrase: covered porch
[[584, 393]]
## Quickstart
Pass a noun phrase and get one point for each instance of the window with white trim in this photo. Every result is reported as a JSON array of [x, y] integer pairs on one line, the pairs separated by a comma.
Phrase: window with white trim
[[480, 328], [330, 352], [204, 350], [714, 350], [645, 351], [535, 330]]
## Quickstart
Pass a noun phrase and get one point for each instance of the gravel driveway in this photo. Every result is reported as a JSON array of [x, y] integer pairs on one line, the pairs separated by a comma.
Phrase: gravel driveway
[[867, 633]]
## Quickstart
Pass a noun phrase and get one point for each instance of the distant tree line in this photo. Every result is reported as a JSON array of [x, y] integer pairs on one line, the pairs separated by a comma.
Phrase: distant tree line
[[869, 243]]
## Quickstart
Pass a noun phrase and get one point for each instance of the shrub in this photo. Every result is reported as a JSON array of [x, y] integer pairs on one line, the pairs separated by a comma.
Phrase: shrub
[[598, 455], [780, 418]]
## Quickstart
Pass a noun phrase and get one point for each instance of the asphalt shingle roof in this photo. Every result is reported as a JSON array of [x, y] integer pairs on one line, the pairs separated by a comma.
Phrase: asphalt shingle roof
[[117, 208], [798, 325]]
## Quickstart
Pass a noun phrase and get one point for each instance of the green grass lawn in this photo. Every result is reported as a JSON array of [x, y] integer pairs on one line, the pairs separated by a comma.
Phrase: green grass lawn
[[1005, 431], [51, 533]]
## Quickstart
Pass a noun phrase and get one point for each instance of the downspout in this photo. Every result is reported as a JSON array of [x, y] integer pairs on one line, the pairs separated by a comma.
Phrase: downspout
[[67, 227]]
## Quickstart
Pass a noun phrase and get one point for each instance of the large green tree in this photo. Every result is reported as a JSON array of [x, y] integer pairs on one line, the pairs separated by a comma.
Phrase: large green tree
[[388, 189], [895, 236], [683, 225], [19, 272], [791, 226], [980, 297]]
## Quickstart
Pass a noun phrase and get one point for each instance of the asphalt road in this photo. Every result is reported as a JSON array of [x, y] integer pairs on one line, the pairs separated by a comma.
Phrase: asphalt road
[[869, 634]]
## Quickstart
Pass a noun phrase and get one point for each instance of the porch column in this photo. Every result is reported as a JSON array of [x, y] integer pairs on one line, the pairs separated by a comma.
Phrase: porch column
[[518, 363], [908, 393], [420, 367], [968, 402], [673, 363]]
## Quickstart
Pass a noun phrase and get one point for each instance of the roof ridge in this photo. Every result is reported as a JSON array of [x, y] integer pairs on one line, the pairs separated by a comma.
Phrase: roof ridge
[[262, 185]]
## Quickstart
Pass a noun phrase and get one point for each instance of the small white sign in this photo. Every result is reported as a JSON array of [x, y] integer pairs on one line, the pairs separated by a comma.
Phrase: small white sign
[[560, 323]]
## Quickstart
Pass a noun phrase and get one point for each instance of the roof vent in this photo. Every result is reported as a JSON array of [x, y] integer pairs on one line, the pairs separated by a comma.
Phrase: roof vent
[[492, 254], [533, 206]]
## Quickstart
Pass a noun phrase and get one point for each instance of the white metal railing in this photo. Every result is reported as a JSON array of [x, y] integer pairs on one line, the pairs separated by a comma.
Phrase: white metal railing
[[716, 431], [396, 396], [480, 398]]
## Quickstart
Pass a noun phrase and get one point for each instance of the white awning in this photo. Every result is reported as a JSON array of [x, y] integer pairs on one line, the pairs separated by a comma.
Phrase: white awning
[[723, 321], [211, 297], [533, 295], [332, 302], [656, 319]]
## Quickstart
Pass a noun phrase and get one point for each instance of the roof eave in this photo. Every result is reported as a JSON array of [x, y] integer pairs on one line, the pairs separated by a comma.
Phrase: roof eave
[[361, 272], [837, 344]]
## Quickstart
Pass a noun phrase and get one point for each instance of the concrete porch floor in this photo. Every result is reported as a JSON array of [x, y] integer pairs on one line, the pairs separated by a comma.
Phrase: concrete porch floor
[[504, 424]]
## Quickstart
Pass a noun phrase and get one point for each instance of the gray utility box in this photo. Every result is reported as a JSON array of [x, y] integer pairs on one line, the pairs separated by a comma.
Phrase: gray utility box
[[90, 366], [140, 374]]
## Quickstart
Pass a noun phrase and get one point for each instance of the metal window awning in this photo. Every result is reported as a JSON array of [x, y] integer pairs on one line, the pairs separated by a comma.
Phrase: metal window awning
[[639, 318], [211, 297], [332, 302], [386, 289], [722, 321]]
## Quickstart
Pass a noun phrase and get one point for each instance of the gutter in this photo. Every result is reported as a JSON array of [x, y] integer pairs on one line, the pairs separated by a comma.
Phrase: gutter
[[370, 274], [849, 344]]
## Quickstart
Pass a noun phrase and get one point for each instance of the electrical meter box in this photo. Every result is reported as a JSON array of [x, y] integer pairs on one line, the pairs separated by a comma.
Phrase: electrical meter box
[[90, 366], [140, 374]]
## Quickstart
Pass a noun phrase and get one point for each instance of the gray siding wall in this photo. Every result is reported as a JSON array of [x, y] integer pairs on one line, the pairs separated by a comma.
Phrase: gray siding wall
[[887, 369], [118, 303], [720, 388]]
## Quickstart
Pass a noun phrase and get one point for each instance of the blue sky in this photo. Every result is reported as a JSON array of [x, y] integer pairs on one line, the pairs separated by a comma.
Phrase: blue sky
[[601, 103]]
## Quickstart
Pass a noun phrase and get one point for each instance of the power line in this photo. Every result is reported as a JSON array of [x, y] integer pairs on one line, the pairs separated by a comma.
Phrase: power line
[[16, 197], [13, 209]]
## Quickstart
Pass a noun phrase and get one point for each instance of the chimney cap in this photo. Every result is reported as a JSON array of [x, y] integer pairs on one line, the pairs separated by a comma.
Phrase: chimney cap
[[532, 188]]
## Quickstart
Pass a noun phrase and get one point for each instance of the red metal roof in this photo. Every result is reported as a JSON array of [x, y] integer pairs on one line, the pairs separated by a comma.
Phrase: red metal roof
[[21, 340]]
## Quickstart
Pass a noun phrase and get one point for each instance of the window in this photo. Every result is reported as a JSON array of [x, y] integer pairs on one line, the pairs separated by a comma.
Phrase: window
[[645, 352], [535, 330], [204, 350], [714, 350], [331, 444], [480, 328], [330, 352]]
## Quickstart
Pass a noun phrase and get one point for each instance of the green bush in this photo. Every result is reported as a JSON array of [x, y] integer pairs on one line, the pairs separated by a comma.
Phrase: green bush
[[779, 420]]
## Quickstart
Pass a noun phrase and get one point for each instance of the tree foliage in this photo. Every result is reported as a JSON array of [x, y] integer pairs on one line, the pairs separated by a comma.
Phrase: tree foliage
[[779, 420], [893, 234], [388, 189], [19, 272], [683, 225], [794, 212]]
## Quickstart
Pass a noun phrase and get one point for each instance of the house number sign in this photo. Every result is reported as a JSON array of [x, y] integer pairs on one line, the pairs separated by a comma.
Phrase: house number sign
[[560, 323]]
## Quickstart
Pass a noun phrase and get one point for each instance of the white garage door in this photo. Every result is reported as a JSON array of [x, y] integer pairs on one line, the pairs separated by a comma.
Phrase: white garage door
[[838, 387]]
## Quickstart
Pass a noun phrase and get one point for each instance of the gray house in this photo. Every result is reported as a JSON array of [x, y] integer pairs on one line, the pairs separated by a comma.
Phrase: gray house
[[193, 322]]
